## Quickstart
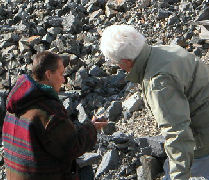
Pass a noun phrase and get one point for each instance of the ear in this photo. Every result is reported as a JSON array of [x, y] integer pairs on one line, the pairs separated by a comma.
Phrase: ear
[[47, 74]]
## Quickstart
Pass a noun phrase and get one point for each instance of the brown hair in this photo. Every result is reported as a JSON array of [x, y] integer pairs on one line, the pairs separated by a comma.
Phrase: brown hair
[[44, 61]]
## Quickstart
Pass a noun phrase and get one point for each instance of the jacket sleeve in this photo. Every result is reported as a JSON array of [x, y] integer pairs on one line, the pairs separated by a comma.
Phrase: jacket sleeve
[[170, 107], [63, 139]]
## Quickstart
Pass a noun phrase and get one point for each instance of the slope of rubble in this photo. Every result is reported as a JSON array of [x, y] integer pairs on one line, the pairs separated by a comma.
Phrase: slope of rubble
[[72, 28]]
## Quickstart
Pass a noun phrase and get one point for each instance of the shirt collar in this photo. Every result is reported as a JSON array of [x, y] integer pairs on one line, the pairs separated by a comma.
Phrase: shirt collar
[[136, 74]]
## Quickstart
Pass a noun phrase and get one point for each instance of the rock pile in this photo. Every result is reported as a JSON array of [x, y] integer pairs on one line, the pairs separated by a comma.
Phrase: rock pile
[[72, 28]]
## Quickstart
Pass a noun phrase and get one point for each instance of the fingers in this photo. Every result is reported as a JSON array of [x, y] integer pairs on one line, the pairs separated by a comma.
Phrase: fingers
[[100, 125], [94, 118], [99, 119], [99, 122]]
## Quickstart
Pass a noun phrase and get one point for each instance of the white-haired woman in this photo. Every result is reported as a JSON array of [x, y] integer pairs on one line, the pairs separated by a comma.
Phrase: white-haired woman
[[175, 86]]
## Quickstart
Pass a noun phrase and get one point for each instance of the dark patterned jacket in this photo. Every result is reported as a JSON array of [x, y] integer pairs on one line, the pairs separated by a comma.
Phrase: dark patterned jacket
[[40, 141]]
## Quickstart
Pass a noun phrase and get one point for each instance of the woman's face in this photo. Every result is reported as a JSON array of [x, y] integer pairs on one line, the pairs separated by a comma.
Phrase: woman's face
[[56, 79]]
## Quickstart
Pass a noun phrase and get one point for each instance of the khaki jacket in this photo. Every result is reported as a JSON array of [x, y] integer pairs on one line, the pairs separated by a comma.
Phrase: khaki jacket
[[176, 88]]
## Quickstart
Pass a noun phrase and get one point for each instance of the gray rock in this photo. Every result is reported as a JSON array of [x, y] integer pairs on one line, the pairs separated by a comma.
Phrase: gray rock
[[95, 14], [110, 161], [142, 173], [93, 100], [59, 44], [48, 38], [116, 80], [117, 5], [150, 168], [195, 40], [22, 14], [8, 52], [172, 20], [114, 110], [54, 30], [82, 116], [144, 3], [54, 21], [203, 15], [91, 7], [2, 11], [110, 12], [153, 146], [68, 104], [171, 1], [84, 2], [123, 146], [5, 44], [133, 103], [96, 71], [80, 76], [204, 34], [126, 115], [156, 143], [2, 70], [23, 45], [197, 178], [110, 128], [188, 35], [11, 37], [163, 5], [72, 24], [40, 30], [198, 51], [119, 138], [98, 2], [51, 2], [39, 47], [162, 14], [22, 27], [129, 88], [184, 6], [179, 41], [88, 159]]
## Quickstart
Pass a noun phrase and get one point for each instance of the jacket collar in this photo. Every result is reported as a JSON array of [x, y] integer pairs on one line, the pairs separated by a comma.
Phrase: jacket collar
[[28, 92], [137, 72]]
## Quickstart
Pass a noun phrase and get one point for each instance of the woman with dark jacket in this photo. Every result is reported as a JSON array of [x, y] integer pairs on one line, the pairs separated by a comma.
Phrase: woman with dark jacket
[[40, 141]]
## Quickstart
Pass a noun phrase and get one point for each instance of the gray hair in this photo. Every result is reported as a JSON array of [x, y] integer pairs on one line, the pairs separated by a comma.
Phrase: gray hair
[[121, 42]]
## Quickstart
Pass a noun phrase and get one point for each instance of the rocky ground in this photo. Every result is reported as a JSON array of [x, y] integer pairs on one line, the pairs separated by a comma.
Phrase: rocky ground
[[72, 28]]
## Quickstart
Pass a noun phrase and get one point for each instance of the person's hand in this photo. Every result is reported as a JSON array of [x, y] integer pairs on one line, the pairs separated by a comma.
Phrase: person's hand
[[99, 122]]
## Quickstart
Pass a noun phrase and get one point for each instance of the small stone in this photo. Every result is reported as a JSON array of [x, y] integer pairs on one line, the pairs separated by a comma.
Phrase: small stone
[[133, 103], [110, 161], [48, 38], [54, 30], [109, 129]]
